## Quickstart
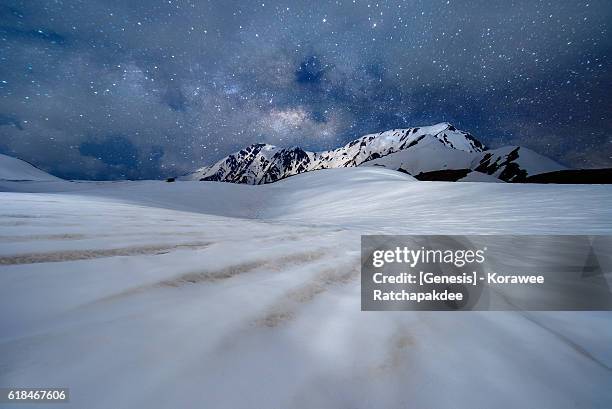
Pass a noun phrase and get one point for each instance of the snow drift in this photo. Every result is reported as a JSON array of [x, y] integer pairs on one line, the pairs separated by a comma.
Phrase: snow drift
[[199, 294], [18, 170]]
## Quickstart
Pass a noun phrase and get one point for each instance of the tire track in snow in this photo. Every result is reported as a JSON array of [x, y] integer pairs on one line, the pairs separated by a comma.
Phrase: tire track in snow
[[42, 237], [398, 344], [286, 307], [81, 236], [73, 255], [24, 216], [230, 271], [220, 274]]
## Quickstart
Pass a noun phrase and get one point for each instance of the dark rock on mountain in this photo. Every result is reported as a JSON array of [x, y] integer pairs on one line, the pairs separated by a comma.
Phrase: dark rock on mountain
[[446, 175]]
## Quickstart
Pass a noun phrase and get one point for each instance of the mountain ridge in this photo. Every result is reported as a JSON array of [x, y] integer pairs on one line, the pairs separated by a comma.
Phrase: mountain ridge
[[414, 151]]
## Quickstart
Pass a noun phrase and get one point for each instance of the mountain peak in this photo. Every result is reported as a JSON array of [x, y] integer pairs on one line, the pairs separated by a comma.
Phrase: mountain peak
[[427, 148]]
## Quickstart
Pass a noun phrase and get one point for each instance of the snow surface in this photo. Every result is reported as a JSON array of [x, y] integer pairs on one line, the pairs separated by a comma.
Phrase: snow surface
[[16, 169], [217, 295]]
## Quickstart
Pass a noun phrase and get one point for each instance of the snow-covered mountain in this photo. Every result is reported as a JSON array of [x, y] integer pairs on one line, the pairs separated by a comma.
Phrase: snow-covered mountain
[[416, 151], [16, 169], [429, 157]]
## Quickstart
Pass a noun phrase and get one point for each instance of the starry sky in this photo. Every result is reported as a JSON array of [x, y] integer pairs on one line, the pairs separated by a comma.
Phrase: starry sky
[[115, 89]]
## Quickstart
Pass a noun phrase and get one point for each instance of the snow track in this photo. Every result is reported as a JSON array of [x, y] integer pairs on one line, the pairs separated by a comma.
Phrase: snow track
[[192, 294], [89, 254]]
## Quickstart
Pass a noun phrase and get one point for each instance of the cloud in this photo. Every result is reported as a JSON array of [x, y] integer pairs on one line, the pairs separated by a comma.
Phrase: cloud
[[185, 84], [113, 150], [297, 125], [11, 121], [288, 120]]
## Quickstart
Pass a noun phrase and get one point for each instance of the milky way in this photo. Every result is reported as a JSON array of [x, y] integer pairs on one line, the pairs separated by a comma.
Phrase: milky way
[[146, 89]]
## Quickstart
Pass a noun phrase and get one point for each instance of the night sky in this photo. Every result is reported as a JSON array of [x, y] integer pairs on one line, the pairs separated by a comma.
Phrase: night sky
[[145, 89]]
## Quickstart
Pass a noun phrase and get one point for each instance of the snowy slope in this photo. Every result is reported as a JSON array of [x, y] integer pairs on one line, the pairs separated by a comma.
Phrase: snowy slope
[[426, 155], [509, 164], [197, 294], [514, 163], [15, 169]]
